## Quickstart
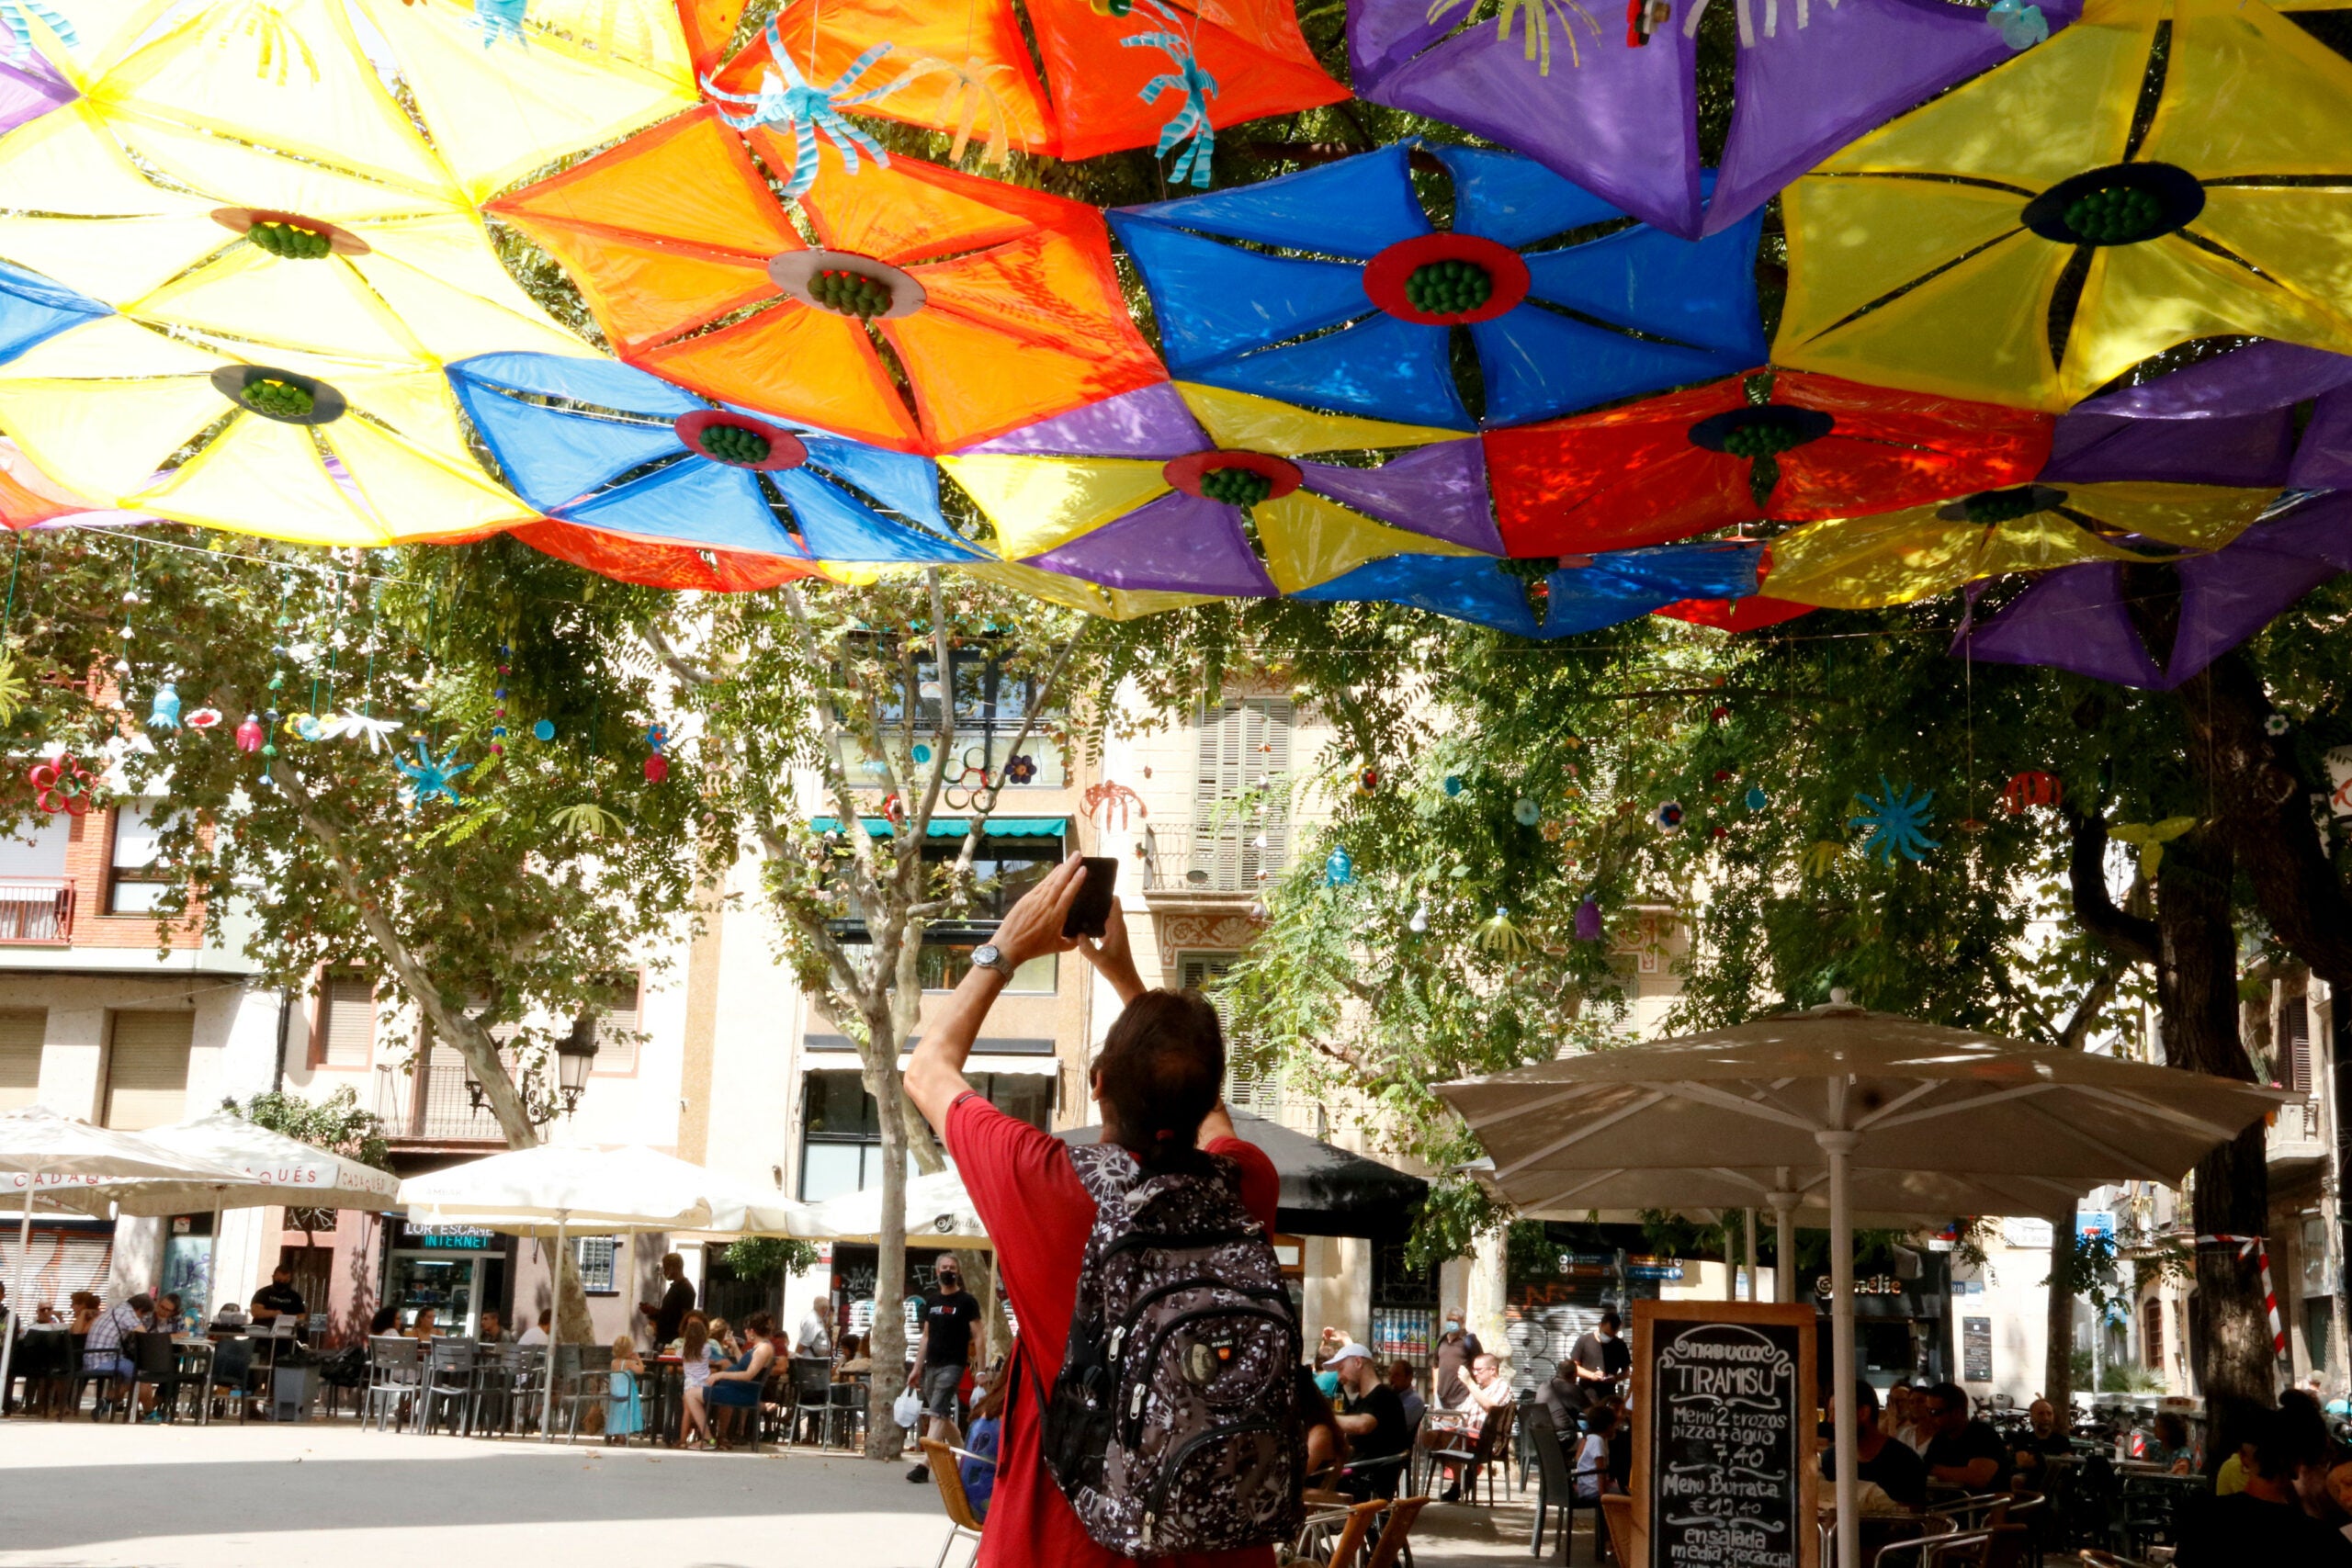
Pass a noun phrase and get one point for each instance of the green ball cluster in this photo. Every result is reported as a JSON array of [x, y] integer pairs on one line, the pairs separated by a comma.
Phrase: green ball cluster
[[1237, 487], [735, 443], [280, 400], [2117, 215], [1764, 438], [2003, 505], [850, 293], [1451, 288], [291, 242]]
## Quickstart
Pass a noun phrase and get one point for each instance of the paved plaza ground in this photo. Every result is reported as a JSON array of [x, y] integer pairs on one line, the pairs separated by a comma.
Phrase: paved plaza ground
[[78, 1494]]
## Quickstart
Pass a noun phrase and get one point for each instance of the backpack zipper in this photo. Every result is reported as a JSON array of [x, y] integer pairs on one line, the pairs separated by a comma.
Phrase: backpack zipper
[[1175, 1468], [1119, 1335], [1131, 1419], [1167, 1242]]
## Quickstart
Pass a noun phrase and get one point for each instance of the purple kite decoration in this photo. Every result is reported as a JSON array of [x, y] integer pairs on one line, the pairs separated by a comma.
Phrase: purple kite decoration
[[2263, 374], [1550, 81], [29, 88], [2246, 451], [2079, 618]]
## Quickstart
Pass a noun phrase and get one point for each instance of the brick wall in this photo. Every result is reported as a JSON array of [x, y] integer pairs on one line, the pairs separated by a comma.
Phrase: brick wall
[[89, 854]]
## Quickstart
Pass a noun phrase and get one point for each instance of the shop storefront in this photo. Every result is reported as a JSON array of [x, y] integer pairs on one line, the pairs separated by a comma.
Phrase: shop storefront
[[456, 1270], [1902, 1321], [1558, 1289]]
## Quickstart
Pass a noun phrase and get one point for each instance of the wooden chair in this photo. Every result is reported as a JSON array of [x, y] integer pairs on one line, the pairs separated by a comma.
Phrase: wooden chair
[[962, 1523], [1358, 1525], [1393, 1532], [1617, 1516]]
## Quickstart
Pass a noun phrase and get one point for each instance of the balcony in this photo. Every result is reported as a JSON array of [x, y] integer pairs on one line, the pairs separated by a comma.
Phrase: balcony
[[429, 1104], [2295, 1135], [36, 911]]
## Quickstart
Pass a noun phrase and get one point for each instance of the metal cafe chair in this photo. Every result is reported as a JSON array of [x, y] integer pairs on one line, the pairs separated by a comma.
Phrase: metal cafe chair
[[845, 1407], [449, 1384], [394, 1373], [155, 1361], [587, 1383], [812, 1390]]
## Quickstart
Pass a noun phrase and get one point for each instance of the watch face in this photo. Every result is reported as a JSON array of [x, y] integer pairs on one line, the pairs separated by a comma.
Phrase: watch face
[[988, 957]]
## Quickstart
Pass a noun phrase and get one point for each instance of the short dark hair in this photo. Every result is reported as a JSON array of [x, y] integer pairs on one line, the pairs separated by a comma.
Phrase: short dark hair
[[1611, 1320], [1865, 1397], [759, 1325], [1947, 1395], [1162, 1072]]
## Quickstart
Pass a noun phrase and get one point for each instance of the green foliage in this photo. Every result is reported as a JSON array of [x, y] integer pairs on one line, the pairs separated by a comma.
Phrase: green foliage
[[769, 1256], [338, 1123]]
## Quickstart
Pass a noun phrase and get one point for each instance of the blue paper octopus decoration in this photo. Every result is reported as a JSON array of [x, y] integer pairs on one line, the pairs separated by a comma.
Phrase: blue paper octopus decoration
[[1189, 127], [1898, 822], [499, 19], [788, 102], [164, 714], [431, 777], [16, 14]]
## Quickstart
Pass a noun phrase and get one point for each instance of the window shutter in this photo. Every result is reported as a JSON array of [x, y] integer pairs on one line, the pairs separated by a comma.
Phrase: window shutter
[[147, 1069], [616, 1039], [347, 1006], [20, 1036], [1258, 1093], [2298, 1052], [1243, 743]]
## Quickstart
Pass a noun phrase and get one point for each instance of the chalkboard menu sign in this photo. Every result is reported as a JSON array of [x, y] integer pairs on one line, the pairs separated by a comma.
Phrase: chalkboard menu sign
[[1726, 1465]]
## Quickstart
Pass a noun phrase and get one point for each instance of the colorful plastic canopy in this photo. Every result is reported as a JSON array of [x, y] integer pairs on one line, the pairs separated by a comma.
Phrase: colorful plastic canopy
[[288, 445], [1004, 307], [2083, 619], [2012, 241], [1120, 492], [1092, 98], [1682, 464], [653, 475], [1546, 79], [1580, 594], [1859, 563], [1584, 306], [29, 87]]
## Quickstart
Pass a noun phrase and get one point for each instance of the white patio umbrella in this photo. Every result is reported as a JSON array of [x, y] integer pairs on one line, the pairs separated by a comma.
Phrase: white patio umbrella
[[280, 1169], [1837, 1088], [56, 1157], [938, 1209], [555, 1189]]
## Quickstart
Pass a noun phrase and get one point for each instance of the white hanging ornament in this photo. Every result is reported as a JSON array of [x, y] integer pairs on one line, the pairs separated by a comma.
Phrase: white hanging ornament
[[1419, 924]]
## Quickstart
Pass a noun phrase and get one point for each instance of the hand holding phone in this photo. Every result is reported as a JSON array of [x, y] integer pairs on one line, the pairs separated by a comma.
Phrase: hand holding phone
[[1090, 914]]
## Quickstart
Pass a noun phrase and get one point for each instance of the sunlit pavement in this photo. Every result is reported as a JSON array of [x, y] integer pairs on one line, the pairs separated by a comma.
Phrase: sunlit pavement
[[332, 1496]]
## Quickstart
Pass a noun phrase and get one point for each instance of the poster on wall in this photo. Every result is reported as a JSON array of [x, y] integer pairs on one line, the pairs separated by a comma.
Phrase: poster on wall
[[1725, 1459]]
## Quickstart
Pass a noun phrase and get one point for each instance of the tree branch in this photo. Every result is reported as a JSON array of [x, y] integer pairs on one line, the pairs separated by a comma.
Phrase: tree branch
[[2130, 936]]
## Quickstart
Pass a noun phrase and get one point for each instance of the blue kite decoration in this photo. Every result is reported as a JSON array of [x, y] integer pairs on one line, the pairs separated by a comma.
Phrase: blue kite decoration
[[15, 15], [430, 777], [1898, 822], [788, 102], [1189, 127]]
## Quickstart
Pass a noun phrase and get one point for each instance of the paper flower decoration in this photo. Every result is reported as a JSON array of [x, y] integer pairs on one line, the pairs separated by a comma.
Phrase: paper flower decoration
[[151, 212], [1148, 490], [429, 776], [1563, 311], [1863, 562], [1897, 820], [2010, 241], [1686, 463], [63, 784], [380, 733], [610, 454], [1582, 593], [1004, 307], [1091, 99], [2083, 618], [1554, 79]]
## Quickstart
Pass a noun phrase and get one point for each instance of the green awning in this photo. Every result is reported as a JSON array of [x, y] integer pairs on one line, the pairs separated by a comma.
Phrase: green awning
[[957, 827]]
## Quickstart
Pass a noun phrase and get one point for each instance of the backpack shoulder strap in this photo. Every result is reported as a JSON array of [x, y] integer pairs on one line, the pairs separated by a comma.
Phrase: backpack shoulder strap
[[1106, 1171]]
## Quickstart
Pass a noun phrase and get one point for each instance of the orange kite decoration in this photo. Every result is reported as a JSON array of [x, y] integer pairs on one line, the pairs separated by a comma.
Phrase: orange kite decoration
[[1000, 303]]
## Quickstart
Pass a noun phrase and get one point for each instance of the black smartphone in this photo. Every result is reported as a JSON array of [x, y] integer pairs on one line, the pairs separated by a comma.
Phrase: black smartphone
[[1090, 916]]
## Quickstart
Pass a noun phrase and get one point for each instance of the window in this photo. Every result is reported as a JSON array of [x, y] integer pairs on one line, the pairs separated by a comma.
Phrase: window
[[346, 1023], [21, 1037], [147, 1069], [595, 1255], [36, 849], [1245, 744], [2295, 1063], [2152, 1334], [1247, 1086], [135, 882], [991, 708], [841, 1129], [1003, 868], [616, 1028]]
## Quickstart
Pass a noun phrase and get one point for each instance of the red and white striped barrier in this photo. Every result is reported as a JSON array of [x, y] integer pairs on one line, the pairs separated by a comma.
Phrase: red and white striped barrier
[[2260, 1246]]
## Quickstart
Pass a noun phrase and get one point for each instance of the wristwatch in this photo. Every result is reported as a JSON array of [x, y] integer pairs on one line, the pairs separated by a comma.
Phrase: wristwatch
[[988, 955]]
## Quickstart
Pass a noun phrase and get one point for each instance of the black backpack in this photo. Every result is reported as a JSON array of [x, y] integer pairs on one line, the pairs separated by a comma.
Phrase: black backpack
[[1174, 1426]]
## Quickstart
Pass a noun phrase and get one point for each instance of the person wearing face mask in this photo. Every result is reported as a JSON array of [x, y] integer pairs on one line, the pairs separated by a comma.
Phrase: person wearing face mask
[[938, 1372], [1456, 1348]]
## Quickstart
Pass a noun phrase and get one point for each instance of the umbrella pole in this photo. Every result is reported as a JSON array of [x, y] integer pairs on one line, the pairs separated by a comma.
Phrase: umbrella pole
[[16, 1291], [1731, 1264], [1748, 1224], [1838, 1145], [212, 1270], [555, 1332], [1784, 1256]]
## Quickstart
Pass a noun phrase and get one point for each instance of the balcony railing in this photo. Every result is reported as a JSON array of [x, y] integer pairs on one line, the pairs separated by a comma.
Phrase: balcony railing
[[2296, 1134], [429, 1104], [36, 911]]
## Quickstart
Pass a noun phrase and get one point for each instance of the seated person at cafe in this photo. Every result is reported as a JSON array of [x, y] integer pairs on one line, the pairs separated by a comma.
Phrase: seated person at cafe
[[538, 1333], [1374, 1419], [854, 1362], [493, 1328], [733, 1394], [2266, 1522], [1485, 1391], [279, 1299], [427, 1323], [107, 1348], [1590, 1471], [385, 1320], [85, 1307], [1962, 1452], [2044, 1441], [230, 1319], [1400, 1378], [1880, 1461], [2168, 1446]]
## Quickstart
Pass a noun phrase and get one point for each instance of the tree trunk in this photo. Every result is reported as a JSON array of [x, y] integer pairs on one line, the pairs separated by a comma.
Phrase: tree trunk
[[2197, 991], [887, 1348], [996, 1329], [2058, 1363]]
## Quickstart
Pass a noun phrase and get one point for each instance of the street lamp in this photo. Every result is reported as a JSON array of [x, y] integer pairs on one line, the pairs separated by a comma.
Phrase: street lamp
[[575, 1055]]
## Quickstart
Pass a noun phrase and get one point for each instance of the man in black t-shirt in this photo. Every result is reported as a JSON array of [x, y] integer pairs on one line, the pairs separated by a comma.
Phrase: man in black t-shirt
[[1598, 1361], [1373, 1418], [279, 1299], [677, 1300], [1880, 1461], [940, 1356], [1962, 1452]]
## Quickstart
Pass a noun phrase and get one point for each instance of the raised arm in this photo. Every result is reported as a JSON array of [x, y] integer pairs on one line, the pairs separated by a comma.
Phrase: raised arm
[[1032, 929]]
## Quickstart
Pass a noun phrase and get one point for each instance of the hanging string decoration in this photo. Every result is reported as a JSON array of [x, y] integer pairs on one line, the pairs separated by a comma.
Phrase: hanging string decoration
[[429, 776], [788, 102], [63, 785], [1499, 935], [1188, 127], [1821, 857], [543, 730], [1897, 820], [657, 766]]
